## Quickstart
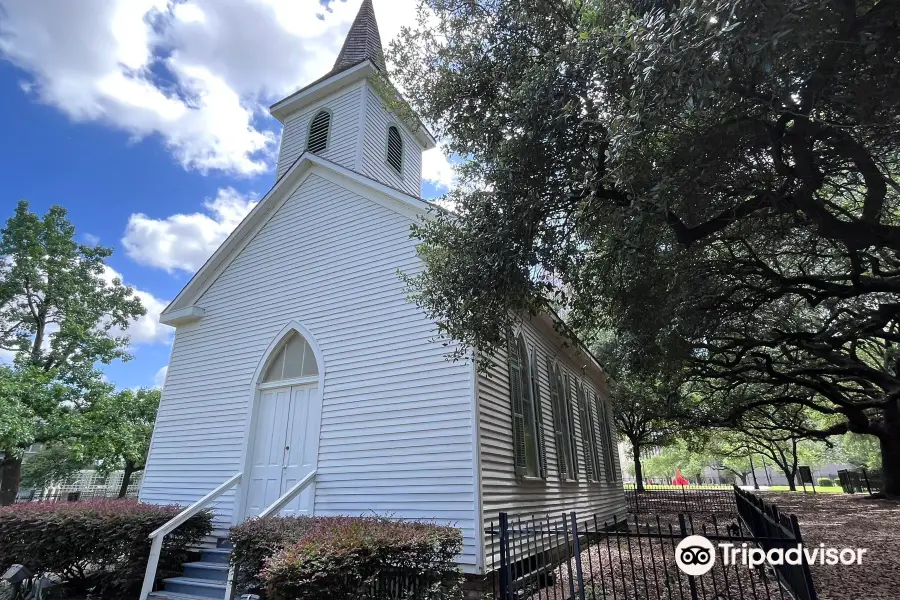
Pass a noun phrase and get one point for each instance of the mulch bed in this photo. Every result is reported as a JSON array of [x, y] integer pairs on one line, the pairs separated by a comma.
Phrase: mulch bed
[[856, 521], [836, 520]]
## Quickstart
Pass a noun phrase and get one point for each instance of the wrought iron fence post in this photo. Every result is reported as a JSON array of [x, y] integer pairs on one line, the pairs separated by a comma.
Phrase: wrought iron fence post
[[568, 557], [577, 550], [504, 557], [692, 582], [807, 574]]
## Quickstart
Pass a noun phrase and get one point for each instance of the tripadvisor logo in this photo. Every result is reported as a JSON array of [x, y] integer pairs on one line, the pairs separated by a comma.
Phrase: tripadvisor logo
[[696, 555]]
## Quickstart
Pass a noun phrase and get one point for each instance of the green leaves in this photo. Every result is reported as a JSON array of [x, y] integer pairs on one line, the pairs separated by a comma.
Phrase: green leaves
[[56, 308], [99, 545], [717, 179], [59, 314]]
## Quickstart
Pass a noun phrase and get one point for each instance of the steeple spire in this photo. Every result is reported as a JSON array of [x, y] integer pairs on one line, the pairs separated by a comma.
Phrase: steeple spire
[[363, 42]]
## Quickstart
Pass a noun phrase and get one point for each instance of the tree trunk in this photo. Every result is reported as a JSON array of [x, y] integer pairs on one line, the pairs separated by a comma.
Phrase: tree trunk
[[638, 470], [126, 478], [742, 477], [792, 484], [10, 474], [890, 454]]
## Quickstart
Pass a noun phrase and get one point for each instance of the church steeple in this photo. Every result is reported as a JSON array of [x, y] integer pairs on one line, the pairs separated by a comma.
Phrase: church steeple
[[363, 42], [349, 116]]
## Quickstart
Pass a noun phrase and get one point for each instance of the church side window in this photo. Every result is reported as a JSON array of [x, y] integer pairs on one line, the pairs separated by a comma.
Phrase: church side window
[[529, 451], [318, 132], [395, 149]]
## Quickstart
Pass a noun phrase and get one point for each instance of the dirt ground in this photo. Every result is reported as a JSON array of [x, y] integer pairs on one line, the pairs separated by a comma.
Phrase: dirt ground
[[856, 521]]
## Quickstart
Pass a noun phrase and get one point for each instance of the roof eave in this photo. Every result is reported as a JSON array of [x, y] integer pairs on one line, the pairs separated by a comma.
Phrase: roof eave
[[320, 89]]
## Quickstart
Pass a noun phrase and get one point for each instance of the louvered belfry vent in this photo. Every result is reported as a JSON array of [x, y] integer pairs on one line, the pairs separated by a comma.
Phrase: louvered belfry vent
[[395, 149], [318, 132]]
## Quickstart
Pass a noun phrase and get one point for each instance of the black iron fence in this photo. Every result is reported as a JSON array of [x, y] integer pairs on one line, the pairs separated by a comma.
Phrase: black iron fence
[[860, 481], [772, 529], [570, 557], [681, 499]]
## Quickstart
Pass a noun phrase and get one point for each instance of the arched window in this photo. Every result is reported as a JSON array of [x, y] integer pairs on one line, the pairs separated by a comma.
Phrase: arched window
[[295, 360], [563, 422], [588, 441], [528, 441], [395, 149], [318, 132]]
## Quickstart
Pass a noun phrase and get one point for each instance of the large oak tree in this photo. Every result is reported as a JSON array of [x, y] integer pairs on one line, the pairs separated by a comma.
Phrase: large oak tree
[[716, 177], [60, 317]]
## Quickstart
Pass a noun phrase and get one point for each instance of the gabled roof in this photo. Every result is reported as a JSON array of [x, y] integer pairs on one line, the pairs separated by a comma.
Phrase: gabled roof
[[182, 309], [363, 42]]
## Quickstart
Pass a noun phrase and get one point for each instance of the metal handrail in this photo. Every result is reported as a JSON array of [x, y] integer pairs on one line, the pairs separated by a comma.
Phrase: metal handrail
[[158, 535], [288, 496], [270, 510]]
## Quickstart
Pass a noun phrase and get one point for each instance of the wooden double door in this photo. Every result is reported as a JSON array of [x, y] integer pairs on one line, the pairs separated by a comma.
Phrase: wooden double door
[[285, 447]]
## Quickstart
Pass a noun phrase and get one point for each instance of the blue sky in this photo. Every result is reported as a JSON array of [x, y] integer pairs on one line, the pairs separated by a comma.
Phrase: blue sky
[[146, 120]]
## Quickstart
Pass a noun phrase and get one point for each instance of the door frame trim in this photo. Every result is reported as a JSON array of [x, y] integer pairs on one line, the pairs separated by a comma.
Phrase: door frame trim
[[294, 326]]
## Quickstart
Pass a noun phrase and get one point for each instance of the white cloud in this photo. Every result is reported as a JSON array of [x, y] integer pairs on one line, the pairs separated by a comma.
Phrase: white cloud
[[196, 73], [185, 241], [160, 378], [437, 169], [146, 329]]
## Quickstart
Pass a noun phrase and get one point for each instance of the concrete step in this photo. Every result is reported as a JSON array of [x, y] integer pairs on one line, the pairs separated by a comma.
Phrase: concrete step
[[204, 588], [205, 570]]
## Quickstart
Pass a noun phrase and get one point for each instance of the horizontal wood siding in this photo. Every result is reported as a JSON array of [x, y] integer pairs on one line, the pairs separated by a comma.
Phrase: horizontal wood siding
[[396, 436], [344, 137], [374, 160], [501, 489]]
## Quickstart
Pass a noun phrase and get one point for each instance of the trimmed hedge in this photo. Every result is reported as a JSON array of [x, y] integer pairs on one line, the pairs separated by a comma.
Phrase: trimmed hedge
[[99, 544], [825, 482], [347, 558], [256, 540]]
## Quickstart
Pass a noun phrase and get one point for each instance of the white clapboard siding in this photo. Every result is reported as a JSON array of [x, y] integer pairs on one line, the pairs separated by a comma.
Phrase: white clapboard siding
[[343, 138], [501, 489], [374, 160], [396, 434]]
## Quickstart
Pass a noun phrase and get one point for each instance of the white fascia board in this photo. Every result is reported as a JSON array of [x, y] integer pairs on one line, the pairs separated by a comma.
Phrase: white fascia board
[[181, 316], [281, 109]]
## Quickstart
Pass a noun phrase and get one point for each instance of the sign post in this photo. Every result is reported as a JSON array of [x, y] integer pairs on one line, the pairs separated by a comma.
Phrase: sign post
[[806, 477]]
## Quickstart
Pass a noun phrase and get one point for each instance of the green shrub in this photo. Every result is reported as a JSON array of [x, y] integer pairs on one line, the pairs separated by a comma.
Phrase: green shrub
[[825, 482], [256, 540], [344, 558], [100, 544]]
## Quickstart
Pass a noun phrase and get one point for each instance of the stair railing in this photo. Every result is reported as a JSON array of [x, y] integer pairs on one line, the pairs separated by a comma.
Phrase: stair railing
[[270, 510], [160, 534]]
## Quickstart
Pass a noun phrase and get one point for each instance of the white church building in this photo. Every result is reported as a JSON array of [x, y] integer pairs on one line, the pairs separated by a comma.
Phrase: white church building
[[298, 357]]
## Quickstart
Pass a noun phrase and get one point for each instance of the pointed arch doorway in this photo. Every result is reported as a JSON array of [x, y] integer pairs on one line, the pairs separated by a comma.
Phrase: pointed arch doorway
[[284, 440]]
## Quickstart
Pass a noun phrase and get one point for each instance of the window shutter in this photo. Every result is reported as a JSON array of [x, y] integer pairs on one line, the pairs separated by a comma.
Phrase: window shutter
[[610, 424], [517, 402], [570, 415], [586, 446], [604, 417], [538, 415], [395, 149], [558, 417], [596, 435], [318, 132]]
